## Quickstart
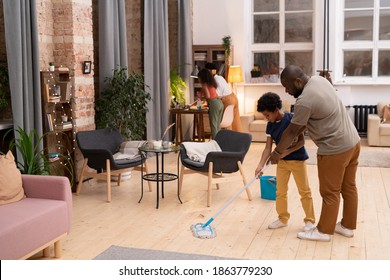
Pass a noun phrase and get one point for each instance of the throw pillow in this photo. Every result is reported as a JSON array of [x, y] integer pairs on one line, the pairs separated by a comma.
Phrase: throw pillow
[[258, 115], [11, 188], [386, 114]]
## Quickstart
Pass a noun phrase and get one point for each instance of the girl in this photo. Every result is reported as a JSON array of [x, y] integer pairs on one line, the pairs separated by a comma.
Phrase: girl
[[209, 88]]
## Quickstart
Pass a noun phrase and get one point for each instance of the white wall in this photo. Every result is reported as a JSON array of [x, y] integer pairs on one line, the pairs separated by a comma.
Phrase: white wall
[[214, 19]]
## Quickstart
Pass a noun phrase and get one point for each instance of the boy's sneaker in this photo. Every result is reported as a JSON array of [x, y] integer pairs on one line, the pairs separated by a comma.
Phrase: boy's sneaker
[[313, 235], [308, 226], [276, 224], [343, 230]]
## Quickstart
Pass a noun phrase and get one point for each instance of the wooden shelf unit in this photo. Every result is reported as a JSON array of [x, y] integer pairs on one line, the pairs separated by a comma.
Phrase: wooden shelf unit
[[58, 125], [202, 54]]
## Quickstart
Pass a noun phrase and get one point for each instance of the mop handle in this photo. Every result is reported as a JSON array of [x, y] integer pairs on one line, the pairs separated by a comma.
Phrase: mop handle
[[234, 197]]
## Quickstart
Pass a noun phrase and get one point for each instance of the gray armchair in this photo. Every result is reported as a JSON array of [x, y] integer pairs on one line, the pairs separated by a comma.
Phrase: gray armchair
[[98, 148], [220, 166]]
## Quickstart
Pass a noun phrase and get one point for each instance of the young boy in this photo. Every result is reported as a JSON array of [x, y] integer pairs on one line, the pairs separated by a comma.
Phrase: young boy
[[292, 161]]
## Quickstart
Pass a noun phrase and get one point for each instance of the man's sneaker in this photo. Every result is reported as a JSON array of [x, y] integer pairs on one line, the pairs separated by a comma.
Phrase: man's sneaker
[[313, 235], [276, 224], [343, 230], [308, 226]]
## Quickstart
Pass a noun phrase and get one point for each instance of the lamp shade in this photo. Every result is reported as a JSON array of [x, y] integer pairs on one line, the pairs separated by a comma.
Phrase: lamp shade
[[235, 74]]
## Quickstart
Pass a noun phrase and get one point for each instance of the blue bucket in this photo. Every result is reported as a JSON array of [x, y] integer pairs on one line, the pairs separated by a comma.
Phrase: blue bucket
[[268, 187]]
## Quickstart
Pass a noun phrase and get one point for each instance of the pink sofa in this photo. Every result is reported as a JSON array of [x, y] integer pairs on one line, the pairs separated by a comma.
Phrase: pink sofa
[[37, 221]]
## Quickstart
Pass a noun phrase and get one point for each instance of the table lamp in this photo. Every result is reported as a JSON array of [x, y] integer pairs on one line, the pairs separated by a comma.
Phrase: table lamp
[[235, 76]]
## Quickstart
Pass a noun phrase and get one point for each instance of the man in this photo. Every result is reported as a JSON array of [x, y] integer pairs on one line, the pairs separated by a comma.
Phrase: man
[[227, 96], [321, 112]]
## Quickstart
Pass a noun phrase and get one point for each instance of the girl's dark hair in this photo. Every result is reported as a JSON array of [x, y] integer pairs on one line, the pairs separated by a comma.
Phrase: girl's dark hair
[[205, 76], [269, 102]]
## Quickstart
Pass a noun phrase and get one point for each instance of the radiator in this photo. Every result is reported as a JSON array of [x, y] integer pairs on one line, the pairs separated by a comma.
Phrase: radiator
[[361, 116]]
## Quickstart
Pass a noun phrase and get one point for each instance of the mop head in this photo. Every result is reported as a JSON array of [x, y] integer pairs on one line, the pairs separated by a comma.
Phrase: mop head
[[200, 232]]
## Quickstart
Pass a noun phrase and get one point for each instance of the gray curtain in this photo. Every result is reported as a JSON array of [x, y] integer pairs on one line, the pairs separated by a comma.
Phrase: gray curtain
[[185, 45], [185, 60], [112, 38], [20, 22], [156, 61]]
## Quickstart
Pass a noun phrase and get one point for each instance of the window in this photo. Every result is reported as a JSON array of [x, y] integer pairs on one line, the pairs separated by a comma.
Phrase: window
[[365, 45], [282, 35]]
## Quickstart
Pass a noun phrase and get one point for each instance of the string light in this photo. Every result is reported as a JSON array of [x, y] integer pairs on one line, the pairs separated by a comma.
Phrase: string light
[[59, 110]]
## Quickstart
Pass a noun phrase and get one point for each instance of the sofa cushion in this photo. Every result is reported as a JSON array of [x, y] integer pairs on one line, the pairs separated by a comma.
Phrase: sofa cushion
[[258, 115], [30, 224], [258, 125], [379, 108], [384, 129], [11, 188]]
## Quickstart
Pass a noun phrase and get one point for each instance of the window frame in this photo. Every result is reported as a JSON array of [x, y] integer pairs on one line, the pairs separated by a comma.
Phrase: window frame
[[374, 45], [282, 47]]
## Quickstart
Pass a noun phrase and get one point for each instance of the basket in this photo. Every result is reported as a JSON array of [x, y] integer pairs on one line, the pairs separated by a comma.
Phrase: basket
[[268, 187]]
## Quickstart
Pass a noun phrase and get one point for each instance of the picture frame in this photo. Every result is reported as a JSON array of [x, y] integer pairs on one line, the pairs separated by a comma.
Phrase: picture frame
[[87, 65]]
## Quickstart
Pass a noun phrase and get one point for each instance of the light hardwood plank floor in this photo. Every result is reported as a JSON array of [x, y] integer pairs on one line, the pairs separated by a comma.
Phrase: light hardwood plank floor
[[241, 228]]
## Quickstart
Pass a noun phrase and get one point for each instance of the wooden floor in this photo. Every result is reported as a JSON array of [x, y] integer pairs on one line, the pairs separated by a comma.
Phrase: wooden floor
[[241, 228]]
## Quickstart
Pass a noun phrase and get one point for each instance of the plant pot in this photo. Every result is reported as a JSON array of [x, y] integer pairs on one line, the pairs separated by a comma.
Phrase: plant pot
[[124, 177], [255, 74], [51, 68]]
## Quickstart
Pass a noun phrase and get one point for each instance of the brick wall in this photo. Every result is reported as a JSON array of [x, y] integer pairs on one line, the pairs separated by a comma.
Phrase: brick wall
[[68, 35], [65, 29], [66, 38]]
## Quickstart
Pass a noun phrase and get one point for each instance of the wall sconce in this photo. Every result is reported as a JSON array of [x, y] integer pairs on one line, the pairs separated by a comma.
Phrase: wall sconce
[[235, 76], [195, 72]]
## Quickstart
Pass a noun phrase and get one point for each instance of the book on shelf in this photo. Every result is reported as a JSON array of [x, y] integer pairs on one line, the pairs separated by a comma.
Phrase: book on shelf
[[62, 68], [49, 121], [47, 92], [54, 98], [66, 125]]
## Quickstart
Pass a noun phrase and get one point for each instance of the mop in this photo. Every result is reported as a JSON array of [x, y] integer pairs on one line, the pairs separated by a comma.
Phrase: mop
[[206, 230]]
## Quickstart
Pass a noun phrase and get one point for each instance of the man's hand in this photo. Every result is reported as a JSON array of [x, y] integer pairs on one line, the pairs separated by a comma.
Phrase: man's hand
[[274, 157]]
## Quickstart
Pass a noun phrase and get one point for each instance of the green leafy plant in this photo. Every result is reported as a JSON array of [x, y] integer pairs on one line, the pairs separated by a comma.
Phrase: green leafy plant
[[124, 104], [226, 43], [34, 160], [177, 86], [4, 86]]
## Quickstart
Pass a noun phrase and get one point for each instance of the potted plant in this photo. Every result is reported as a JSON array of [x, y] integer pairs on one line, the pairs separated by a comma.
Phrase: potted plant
[[123, 105], [177, 86], [255, 72], [226, 43], [33, 160], [51, 66]]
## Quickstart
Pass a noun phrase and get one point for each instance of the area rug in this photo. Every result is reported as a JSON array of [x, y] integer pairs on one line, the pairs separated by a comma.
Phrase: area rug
[[367, 158], [122, 253]]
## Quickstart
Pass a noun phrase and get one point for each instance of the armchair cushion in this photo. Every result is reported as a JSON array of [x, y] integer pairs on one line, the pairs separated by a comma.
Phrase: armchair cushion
[[197, 151], [386, 114], [11, 187], [380, 107], [128, 152]]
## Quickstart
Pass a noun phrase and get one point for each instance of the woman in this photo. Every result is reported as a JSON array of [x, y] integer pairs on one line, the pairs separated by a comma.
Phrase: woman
[[209, 89]]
